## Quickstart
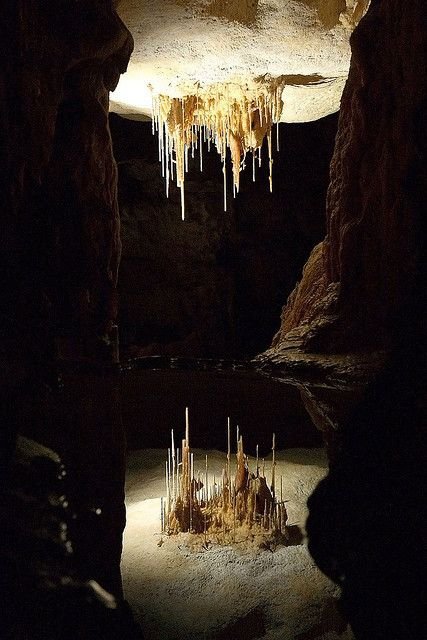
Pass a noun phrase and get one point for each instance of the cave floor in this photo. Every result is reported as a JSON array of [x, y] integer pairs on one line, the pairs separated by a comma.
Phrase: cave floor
[[179, 590]]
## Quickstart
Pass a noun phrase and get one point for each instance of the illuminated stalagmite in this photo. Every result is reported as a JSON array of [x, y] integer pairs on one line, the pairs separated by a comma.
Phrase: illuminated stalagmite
[[230, 507]]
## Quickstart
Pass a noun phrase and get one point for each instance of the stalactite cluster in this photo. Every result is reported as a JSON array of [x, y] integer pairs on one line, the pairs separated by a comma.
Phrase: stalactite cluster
[[229, 116]]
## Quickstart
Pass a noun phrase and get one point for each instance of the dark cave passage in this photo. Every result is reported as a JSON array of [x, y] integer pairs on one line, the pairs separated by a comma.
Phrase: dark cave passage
[[214, 285], [153, 402]]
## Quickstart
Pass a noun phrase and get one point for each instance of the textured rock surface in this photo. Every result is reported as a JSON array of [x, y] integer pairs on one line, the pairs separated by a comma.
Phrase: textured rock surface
[[45, 594], [60, 243], [214, 284], [181, 45], [59, 246], [241, 10], [357, 284]]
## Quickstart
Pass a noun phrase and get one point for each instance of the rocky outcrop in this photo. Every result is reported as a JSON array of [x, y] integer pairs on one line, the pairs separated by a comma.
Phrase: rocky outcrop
[[300, 46], [45, 595], [60, 242], [359, 284], [367, 522], [302, 302], [60, 247], [362, 276]]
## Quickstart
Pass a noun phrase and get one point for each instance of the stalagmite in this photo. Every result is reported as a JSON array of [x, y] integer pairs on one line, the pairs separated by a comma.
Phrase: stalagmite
[[173, 465], [270, 158], [243, 505], [228, 446], [187, 427]]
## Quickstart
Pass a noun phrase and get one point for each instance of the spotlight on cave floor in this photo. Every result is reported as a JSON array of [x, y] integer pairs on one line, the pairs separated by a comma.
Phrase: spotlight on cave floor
[[214, 545]]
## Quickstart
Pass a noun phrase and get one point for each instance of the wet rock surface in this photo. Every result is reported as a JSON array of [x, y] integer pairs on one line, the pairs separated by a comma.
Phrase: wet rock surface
[[155, 392]]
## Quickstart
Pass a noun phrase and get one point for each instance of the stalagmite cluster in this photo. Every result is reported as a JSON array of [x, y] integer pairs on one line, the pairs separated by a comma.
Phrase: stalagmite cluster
[[229, 116], [229, 507]]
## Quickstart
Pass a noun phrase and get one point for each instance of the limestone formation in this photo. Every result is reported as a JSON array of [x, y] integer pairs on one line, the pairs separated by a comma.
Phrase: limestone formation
[[198, 43], [362, 295], [363, 291], [226, 508], [203, 85], [345, 314]]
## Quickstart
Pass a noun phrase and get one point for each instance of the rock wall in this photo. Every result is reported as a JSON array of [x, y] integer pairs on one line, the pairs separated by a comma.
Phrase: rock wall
[[60, 243], [45, 595], [357, 285], [60, 246], [363, 290]]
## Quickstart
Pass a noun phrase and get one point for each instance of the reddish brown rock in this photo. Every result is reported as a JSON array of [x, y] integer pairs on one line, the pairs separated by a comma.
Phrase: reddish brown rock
[[371, 253], [60, 242], [362, 295], [353, 333], [302, 305], [60, 248]]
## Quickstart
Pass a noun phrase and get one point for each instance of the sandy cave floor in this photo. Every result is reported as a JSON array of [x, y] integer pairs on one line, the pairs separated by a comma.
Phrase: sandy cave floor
[[223, 592]]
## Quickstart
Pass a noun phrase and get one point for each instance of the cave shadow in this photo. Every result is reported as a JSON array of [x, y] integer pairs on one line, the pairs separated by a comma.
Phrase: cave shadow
[[295, 536], [366, 524], [247, 627]]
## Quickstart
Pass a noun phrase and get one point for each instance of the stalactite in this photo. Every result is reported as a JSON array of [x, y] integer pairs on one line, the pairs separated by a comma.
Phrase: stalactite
[[233, 117]]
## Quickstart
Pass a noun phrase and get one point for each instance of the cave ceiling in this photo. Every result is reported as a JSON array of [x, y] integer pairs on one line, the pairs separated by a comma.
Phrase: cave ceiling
[[184, 47]]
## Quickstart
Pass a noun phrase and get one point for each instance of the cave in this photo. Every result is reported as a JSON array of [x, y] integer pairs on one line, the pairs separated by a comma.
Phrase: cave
[[213, 216]]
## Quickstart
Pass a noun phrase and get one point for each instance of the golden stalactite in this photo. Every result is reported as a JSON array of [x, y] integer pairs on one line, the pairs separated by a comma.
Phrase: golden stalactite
[[228, 116]]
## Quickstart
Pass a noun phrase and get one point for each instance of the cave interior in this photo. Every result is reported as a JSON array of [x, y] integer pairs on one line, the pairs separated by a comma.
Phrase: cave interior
[[296, 309]]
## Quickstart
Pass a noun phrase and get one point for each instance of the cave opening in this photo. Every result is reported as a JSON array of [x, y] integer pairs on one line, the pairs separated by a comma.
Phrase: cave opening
[[205, 267]]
